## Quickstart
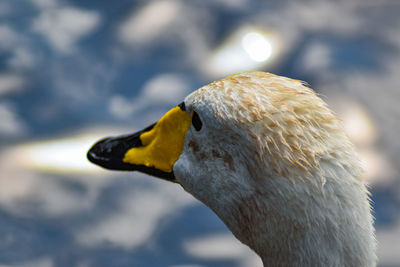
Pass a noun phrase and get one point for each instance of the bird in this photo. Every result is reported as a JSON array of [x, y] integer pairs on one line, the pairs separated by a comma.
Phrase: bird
[[269, 157]]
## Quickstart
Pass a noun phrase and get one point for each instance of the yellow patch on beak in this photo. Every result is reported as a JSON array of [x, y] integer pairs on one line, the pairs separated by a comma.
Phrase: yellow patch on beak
[[162, 145]]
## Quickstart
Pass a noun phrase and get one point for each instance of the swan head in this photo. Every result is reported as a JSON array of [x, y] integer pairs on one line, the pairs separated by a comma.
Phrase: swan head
[[270, 159]]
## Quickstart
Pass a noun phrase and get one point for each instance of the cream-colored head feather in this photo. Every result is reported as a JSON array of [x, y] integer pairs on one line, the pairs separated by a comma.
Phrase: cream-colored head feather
[[275, 165]]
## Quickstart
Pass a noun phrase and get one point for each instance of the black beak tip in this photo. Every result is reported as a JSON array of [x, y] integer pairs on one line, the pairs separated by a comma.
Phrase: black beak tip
[[91, 156], [108, 153], [99, 152]]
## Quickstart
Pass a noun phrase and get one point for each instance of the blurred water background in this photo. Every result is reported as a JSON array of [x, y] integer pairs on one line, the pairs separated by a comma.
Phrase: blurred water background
[[73, 71]]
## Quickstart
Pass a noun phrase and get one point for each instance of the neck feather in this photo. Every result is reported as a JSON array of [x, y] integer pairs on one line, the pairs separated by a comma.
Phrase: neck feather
[[329, 226]]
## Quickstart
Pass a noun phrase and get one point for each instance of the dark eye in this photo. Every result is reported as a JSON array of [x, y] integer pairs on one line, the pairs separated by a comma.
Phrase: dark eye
[[196, 121]]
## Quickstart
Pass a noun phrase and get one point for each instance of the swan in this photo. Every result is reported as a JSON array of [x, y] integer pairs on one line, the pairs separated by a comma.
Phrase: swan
[[266, 154]]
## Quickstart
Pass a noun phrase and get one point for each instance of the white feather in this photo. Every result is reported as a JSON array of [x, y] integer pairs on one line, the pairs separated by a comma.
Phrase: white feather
[[273, 162]]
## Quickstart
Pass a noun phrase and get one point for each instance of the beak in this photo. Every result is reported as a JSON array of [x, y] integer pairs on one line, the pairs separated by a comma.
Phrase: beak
[[153, 150]]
